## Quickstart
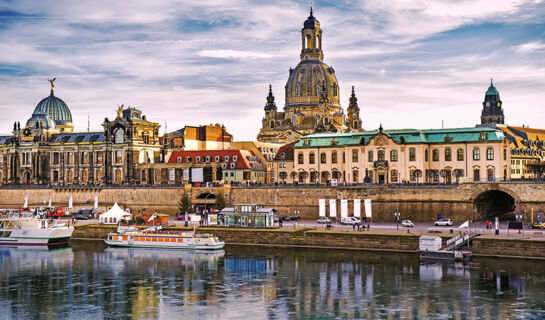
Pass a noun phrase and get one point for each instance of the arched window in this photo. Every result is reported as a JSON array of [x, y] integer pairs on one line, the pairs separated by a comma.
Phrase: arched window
[[426, 155], [322, 158], [489, 154], [318, 42], [355, 125], [334, 157], [294, 121], [412, 154], [355, 176], [326, 121], [311, 158], [309, 41], [300, 158], [460, 154], [380, 155], [435, 155], [448, 154], [145, 137], [393, 156], [335, 89], [476, 154], [298, 90], [318, 89], [119, 136], [272, 124]]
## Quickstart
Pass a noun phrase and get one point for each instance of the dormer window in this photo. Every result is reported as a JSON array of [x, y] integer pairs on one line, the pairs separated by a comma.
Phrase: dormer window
[[180, 159], [207, 158], [483, 136], [198, 159], [226, 159], [217, 159], [235, 158], [188, 159]]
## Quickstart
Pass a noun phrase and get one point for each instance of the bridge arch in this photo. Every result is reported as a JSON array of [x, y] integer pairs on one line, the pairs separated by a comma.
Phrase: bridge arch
[[495, 202], [206, 195]]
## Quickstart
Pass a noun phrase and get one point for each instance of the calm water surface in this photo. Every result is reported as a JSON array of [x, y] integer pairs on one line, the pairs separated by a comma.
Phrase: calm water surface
[[90, 281]]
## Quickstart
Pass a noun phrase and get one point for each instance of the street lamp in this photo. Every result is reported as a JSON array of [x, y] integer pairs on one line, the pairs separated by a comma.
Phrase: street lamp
[[397, 219], [205, 198]]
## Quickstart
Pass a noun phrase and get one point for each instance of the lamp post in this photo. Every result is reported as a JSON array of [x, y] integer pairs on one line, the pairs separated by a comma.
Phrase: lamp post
[[397, 214], [206, 198]]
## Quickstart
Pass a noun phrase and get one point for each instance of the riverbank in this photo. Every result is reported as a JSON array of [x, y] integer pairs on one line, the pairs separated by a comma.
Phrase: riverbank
[[484, 245]]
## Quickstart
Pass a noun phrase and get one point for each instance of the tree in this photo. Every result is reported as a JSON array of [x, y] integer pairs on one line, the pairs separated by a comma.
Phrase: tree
[[184, 206], [220, 202]]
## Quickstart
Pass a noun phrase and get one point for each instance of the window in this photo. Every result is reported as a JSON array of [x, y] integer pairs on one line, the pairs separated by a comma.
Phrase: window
[[380, 156], [489, 154], [448, 154], [412, 154], [311, 157], [70, 157], [188, 159], [393, 156], [354, 155], [298, 90], [145, 137], [84, 157], [476, 175], [355, 176], [207, 158], [483, 136], [413, 175], [460, 154], [226, 159], [344, 157], [118, 156], [217, 158], [294, 121], [504, 155], [476, 154], [322, 158], [435, 155], [118, 136], [370, 156], [394, 175], [334, 157], [300, 158], [426, 155]]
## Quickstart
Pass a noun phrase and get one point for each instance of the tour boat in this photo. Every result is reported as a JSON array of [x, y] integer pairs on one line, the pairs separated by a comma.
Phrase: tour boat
[[155, 238], [29, 230]]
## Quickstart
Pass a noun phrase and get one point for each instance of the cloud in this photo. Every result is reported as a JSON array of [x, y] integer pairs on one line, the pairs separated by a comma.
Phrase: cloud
[[233, 54], [531, 47]]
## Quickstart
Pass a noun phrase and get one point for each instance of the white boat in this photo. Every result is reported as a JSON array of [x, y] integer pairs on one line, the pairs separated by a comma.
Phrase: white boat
[[29, 230], [155, 238]]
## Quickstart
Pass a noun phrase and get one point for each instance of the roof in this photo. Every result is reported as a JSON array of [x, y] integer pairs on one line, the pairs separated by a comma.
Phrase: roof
[[245, 159], [55, 109], [405, 136], [78, 137], [5, 139], [287, 150], [492, 91]]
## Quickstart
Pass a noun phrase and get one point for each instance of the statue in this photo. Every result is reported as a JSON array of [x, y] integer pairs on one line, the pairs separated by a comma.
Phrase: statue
[[52, 83], [119, 110]]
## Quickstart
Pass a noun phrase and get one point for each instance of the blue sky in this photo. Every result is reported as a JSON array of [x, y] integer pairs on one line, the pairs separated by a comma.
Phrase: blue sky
[[414, 63]]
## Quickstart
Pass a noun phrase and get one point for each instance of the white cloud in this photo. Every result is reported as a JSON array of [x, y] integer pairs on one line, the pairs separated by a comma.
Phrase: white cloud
[[531, 47], [233, 54]]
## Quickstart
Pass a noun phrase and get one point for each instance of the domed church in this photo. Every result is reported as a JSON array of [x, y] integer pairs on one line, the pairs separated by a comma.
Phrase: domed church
[[312, 96]]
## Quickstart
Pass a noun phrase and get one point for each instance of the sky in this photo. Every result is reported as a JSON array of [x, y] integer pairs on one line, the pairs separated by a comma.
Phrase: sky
[[414, 63]]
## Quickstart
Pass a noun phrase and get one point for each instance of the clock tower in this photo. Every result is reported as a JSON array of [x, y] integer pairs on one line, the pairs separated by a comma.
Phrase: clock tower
[[492, 113]]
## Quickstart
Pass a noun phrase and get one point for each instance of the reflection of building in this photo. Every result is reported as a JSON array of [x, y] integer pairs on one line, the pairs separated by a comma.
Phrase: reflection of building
[[312, 96], [47, 151], [409, 155]]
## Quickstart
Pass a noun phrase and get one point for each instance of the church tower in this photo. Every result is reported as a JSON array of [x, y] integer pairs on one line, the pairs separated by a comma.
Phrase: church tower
[[492, 113], [270, 119], [354, 121]]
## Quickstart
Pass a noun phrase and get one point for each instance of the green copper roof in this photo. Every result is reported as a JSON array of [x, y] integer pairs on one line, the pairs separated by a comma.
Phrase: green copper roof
[[492, 91], [55, 109], [402, 136]]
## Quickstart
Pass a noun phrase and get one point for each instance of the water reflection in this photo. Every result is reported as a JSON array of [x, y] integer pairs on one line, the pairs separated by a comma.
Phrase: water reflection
[[89, 281]]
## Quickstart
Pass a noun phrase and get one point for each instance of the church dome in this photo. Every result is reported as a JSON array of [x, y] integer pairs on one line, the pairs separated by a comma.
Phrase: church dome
[[55, 109], [311, 81], [40, 119], [492, 91], [311, 22]]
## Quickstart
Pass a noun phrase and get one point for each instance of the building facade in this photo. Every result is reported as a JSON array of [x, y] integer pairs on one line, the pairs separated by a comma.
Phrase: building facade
[[312, 102], [403, 156]]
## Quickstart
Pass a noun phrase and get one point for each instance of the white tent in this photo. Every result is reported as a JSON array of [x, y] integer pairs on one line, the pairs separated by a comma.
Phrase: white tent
[[114, 215]]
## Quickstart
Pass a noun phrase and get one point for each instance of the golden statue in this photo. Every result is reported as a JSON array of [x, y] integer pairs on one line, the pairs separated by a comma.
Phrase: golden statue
[[119, 110], [52, 84]]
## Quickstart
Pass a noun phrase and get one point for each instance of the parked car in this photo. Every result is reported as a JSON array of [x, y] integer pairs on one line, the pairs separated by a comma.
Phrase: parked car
[[84, 214], [536, 225], [295, 218], [283, 218], [323, 220], [443, 222], [407, 223], [350, 220], [180, 216]]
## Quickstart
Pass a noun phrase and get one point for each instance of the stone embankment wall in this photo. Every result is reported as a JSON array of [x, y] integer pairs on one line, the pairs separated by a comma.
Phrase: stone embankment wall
[[311, 238], [418, 203]]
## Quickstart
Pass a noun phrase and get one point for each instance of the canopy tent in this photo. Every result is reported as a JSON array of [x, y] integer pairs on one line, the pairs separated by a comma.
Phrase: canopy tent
[[114, 215]]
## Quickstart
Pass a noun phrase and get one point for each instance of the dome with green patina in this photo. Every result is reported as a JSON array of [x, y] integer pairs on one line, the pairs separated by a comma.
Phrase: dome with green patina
[[55, 109], [492, 91]]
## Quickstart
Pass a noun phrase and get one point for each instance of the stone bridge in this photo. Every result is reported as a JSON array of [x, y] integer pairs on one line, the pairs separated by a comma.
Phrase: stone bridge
[[419, 203]]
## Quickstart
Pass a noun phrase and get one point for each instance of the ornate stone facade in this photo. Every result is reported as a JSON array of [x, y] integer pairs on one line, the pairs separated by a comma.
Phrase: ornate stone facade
[[311, 94]]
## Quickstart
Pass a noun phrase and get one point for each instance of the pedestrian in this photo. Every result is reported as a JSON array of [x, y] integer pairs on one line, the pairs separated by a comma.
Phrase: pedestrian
[[353, 227], [358, 226], [368, 228], [280, 222]]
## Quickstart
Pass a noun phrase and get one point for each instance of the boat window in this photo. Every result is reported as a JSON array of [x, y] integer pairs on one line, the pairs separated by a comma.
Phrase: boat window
[[148, 239], [124, 238], [154, 239], [180, 239]]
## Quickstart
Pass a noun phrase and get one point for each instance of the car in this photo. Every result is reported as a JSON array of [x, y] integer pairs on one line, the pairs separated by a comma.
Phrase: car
[[407, 223], [84, 214], [443, 222], [180, 216], [323, 220], [536, 225], [350, 220], [283, 218], [295, 218]]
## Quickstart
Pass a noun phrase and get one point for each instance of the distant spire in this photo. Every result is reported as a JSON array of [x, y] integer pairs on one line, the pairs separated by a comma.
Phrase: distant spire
[[311, 8], [88, 123], [353, 101], [491, 83]]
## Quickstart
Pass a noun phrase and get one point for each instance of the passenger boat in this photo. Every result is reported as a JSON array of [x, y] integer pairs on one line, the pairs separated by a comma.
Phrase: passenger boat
[[18, 230], [156, 238]]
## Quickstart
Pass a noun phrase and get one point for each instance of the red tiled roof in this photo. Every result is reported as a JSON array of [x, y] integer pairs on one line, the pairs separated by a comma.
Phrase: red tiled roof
[[287, 149], [245, 158]]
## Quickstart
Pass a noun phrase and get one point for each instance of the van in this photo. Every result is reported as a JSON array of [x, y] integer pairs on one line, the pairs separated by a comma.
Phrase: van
[[350, 220]]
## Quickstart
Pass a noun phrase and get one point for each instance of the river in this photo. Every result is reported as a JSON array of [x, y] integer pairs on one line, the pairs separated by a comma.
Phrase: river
[[91, 281]]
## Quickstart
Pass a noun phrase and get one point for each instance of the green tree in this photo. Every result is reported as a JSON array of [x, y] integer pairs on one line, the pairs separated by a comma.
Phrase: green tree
[[184, 206], [220, 202]]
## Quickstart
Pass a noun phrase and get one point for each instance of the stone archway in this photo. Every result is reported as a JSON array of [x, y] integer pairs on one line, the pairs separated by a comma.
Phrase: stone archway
[[494, 203]]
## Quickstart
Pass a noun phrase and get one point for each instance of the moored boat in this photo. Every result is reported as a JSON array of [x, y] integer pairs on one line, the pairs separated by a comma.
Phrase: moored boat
[[153, 238], [30, 230]]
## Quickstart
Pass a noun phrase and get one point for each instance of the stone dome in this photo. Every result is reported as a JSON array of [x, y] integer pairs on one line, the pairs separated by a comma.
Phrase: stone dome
[[55, 109], [306, 84], [40, 119]]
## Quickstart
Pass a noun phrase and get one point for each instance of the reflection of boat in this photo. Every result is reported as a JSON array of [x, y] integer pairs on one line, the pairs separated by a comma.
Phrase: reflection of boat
[[155, 238], [15, 259], [29, 230], [165, 254]]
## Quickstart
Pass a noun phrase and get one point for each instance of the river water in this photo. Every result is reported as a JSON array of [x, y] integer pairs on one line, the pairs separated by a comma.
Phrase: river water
[[91, 281]]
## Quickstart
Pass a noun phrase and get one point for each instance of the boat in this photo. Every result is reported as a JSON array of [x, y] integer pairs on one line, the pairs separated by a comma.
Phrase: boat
[[156, 237], [431, 248], [19, 230]]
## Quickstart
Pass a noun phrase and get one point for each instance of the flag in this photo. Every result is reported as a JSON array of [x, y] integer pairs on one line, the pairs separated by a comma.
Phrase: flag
[[96, 203], [26, 202], [464, 225], [357, 208], [321, 205], [70, 203], [49, 205], [153, 216]]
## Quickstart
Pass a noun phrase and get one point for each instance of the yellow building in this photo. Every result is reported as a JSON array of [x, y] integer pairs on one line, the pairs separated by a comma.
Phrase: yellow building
[[527, 150], [265, 151]]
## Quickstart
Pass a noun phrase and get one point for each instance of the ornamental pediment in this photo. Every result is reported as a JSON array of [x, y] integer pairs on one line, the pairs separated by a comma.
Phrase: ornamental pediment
[[380, 140]]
